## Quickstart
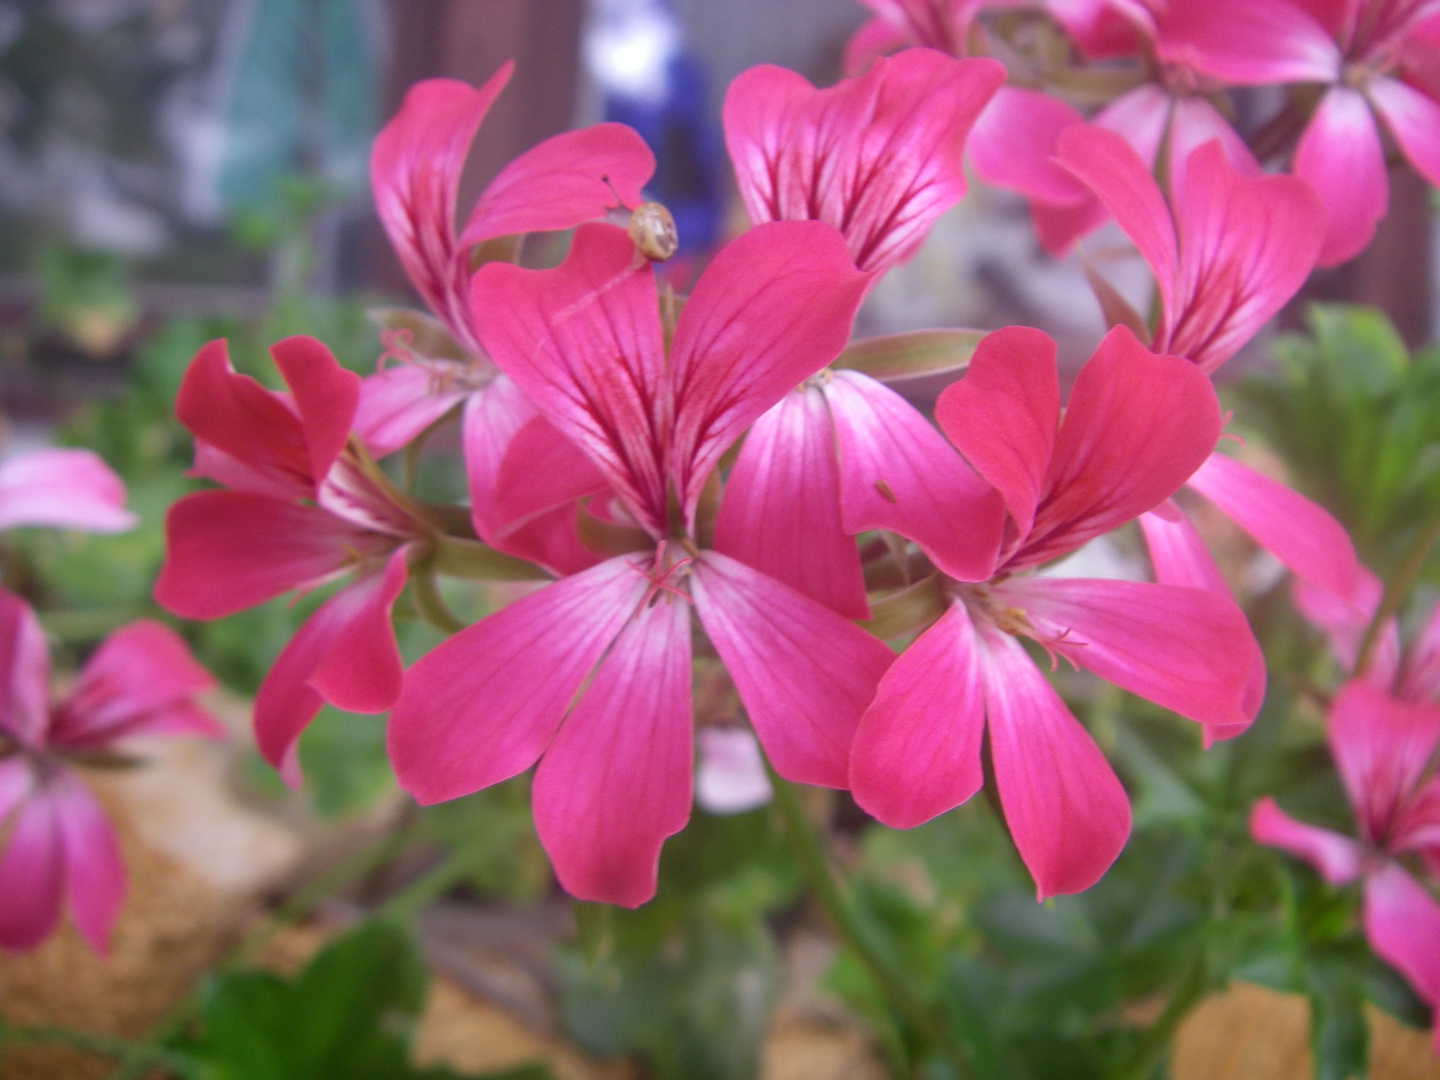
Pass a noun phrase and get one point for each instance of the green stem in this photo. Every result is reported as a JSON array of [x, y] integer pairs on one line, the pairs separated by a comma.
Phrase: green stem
[[434, 883], [428, 601], [810, 850], [1397, 588], [87, 1042]]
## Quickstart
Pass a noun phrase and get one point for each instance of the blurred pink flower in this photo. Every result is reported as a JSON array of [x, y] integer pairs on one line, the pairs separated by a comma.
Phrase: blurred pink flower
[[67, 489]]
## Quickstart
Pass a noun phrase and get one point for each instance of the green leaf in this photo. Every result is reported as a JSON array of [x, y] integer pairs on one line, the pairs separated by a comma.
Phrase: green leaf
[[1339, 1036]]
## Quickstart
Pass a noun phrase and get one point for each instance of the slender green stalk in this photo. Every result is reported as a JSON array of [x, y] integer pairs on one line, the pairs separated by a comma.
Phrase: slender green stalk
[[429, 603], [434, 883], [1397, 588], [809, 848], [87, 1042]]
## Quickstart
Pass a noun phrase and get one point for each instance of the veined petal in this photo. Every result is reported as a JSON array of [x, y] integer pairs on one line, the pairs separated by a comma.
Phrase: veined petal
[[1014, 141], [1250, 42], [1414, 119], [1184, 649], [917, 751], [1381, 747], [482, 706], [583, 342], [66, 489], [616, 781], [780, 512], [1402, 922], [32, 874], [569, 178], [1311, 543], [897, 473], [1063, 804], [94, 871], [25, 671], [804, 674], [1004, 415], [772, 308], [400, 402], [1340, 155], [1339, 859], [325, 396]]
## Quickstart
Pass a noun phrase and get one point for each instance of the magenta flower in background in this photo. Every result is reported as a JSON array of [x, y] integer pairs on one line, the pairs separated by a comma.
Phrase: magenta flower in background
[[57, 845], [66, 489], [585, 343], [1136, 427], [1384, 750]]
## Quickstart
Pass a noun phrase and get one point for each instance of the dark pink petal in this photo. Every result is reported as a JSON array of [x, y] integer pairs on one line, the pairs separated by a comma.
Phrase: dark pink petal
[[250, 425], [1014, 141], [1059, 227], [25, 671], [492, 417], [1195, 122], [616, 780], [1064, 806], [400, 402], [135, 680], [1100, 29], [1311, 543], [874, 38], [94, 871], [1004, 415], [1421, 680], [17, 781], [562, 182], [483, 706], [229, 550], [583, 342], [1402, 922], [897, 473], [772, 309], [1339, 859], [1137, 426], [345, 653], [541, 470], [1341, 157], [1381, 747], [1414, 119], [917, 752], [325, 396], [1185, 649], [66, 489], [32, 874], [781, 509], [1250, 42], [804, 674], [876, 156], [551, 540], [415, 168]]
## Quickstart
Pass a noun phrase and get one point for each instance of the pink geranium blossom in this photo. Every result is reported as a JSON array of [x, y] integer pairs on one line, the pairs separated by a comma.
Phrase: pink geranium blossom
[[1385, 752], [67, 489], [593, 672], [57, 844], [1136, 427]]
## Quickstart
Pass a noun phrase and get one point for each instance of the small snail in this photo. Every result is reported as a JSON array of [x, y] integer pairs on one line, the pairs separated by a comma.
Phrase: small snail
[[653, 231]]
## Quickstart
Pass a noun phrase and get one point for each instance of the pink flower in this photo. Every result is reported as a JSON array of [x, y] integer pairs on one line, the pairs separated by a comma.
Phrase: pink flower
[[585, 343], [57, 843], [1384, 750], [1136, 427], [877, 156], [301, 506], [68, 489], [1375, 57]]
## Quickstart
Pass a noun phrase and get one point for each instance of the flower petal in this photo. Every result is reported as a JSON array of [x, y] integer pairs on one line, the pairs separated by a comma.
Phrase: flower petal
[[482, 706], [730, 777], [917, 752], [25, 671], [1344, 619], [1421, 679], [325, 396], [1250, 42], [541, 469], [94, 871], [399, 402], [1414, 119], [1381, 747], [1063, 804], [32, 875], [616, 781], [1339, 859], [66, 489], [1014, 141], [1341, 157], [804, 674], [1402, 922]]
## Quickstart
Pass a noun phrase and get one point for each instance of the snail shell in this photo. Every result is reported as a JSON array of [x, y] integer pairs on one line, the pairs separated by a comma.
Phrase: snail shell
[[652, 230]]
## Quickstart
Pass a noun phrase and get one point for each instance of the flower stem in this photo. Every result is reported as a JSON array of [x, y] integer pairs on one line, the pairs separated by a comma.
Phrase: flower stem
[[428, 602], [809, 847], [1397, 588], [86, 1042]]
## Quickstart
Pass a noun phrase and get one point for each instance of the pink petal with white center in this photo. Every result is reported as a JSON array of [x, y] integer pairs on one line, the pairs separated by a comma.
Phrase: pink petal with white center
[[1421, 678], [344, 653], [730, 776], [1402, 923], [17, 781], [898, 473], [25, 671], [804, 674], [780, 512], [229, 550], [1250, 42], [1247, 244], [1341, 157], [583, 342], [1414, 119], [1381, 748], [1137, 426], [772, 308], [917, 752], [94, 871], [616, 780], [32, 874], [569, 178], [1004, 415], [1013, 143], [131, 685], [66, 489], [325, 396], [876, 156], [1064, 806], [1339, 859], [400, 402], [1184, 649], [1311, 543], [482, 706], [415, 168]]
